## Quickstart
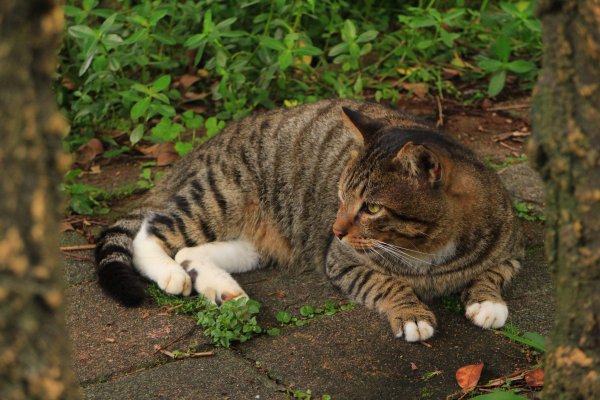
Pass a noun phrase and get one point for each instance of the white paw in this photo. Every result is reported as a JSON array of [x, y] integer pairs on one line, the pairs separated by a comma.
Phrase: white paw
[[488, 314], [174, 280], [412, 332], [212, 282], [187, 253]]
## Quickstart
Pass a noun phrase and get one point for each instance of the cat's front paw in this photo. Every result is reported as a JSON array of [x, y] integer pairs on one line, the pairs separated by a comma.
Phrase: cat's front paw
[[487, 314], [175, 280], [413, 325], [415, 332], [212, 282]]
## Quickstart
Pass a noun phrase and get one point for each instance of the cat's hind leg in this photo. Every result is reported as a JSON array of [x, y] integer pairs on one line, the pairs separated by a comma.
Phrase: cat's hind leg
[[209, 266], [483, 301], [153, 262]]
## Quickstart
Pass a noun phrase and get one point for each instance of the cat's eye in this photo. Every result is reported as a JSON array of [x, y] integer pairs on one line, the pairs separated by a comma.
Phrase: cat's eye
[[371, 208]]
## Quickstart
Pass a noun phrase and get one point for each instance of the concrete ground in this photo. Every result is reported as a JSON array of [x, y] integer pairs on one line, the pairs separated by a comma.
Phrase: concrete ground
[[349, 355]]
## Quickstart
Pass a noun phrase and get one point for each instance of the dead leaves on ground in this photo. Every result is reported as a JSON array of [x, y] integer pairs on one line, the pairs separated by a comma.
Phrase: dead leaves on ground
[[468, 376], [164, 153]]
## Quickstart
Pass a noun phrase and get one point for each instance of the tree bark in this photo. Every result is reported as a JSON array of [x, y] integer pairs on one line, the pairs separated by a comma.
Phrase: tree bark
[[565, 148], [34, 347]]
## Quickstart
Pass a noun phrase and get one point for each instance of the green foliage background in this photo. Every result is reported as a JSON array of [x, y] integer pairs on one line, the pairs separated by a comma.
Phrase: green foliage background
[[122, 61]]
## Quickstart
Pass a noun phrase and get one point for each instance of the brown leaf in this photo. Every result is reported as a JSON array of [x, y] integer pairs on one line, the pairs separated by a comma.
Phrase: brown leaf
[[109, 340], [66, 226], [166, 154], [419, 89], [448, 73], [151, 151], [95, 169], [68, 83], [279, 294], [413, 366], [468, 376], [86, 153], [187, 80], [535, 378]]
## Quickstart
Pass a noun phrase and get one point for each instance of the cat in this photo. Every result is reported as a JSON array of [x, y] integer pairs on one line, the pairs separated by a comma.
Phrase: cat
[[392, 210]]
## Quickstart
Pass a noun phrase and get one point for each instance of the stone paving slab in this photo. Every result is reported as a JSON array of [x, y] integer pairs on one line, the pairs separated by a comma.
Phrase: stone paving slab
[[109, 340], [353, 355], [223, 376]]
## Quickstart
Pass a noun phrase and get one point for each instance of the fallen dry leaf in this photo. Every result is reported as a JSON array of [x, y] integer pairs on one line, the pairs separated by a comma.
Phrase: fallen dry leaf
[[187, 80], [413, 366], [66, 226], [535, 378], [468, 376], [86, 153], [419, 89], [164, 153], [109, 340]]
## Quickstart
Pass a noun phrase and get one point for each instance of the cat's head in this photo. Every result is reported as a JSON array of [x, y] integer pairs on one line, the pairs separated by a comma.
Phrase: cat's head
[[396, 193]]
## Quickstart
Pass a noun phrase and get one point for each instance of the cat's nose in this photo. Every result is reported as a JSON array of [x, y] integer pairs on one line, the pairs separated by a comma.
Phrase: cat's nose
[[339, 232]]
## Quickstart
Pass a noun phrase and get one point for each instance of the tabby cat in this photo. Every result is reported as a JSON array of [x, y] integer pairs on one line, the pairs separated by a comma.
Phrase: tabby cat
[[418, 215]]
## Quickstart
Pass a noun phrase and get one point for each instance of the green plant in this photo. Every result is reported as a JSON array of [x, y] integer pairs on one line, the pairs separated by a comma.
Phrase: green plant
[[307, 313], [531, 339], [528, 212], [84, 199], [499, 395], [234, 321], [505, 163]]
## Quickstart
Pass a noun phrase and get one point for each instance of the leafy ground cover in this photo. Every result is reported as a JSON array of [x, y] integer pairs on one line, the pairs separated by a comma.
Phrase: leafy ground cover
[[155, 77]]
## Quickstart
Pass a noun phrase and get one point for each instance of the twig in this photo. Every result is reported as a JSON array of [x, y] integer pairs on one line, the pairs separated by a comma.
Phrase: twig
[[79, 247], [78, 257], [511, 107], [162, 348], [508, 147], [440, 120]]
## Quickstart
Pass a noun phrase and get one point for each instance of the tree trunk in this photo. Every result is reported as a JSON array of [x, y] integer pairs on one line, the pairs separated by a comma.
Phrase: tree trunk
[[34, 348], [566, 150]]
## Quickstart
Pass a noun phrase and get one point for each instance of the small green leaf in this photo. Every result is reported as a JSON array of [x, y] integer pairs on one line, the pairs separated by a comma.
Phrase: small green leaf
[[499, 395], [496, 83], [307, 311], [285, 59], [520, 66], [338, 49], [273, 331], [82, 32], [183, 148], [367, 36], [136, 134], [349, 31], [283, 317], [140, 108], [271, 43], [162, 83]]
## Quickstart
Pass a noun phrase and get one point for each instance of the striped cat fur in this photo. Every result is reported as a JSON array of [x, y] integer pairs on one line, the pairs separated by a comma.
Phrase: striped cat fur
[[393, 211]]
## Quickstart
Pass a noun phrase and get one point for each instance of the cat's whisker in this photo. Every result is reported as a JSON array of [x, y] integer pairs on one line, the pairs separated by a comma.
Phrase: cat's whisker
[[399, 250], [396, 255], [403, 248]]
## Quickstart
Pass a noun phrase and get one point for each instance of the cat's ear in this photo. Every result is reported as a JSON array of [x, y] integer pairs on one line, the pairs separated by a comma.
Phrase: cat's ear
[[421, 161], [363, 127]]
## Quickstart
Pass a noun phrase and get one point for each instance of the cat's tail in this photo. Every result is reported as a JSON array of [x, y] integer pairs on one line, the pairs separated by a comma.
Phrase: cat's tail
[[114, 260]]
